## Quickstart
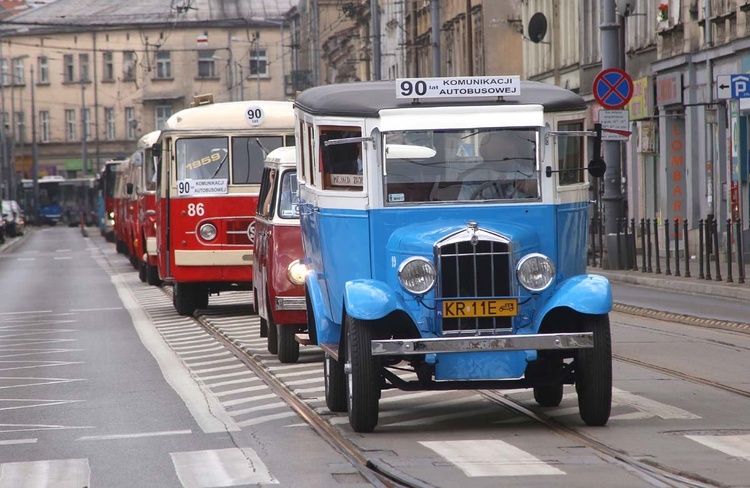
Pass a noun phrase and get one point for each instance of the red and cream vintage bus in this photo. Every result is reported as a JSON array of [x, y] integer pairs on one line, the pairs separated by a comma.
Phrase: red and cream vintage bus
[[144, 220], [209, 168]]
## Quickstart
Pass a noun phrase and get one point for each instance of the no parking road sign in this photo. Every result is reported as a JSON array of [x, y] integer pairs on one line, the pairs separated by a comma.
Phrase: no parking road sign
[[613, 88]]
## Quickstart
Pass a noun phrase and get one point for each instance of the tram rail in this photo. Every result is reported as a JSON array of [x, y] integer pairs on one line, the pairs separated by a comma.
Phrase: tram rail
[[379, 473]]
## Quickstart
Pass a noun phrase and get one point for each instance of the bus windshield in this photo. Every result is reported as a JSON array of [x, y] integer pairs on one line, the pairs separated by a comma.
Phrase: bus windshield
[[460, 165], [209, 158]]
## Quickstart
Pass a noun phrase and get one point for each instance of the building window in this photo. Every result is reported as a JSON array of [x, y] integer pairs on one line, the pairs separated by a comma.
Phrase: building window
[[86, 124], [163, 112], [18, 78], [206, 67], [83, 66], [130, 123], [109, 123], [128, 65], [44, 126], [69, 68], [258, 62], [163, 64], [19, 127], [108, 67], [70, 125], [42, 69], [4, 73]]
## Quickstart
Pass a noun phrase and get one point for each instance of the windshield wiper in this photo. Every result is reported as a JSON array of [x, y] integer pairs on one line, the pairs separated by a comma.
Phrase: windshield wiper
[[221, 164]]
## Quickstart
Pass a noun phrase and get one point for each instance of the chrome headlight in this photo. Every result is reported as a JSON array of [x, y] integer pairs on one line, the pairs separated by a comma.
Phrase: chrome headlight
[[111, 215], [296, 272], [207, 232], [535, 272], [417, 275]]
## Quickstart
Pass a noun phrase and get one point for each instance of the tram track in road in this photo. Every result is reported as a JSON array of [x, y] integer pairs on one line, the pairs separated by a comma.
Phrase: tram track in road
[[649, 472], [376, 473]]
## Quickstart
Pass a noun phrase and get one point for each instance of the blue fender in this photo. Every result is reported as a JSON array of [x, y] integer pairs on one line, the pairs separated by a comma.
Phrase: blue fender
[[587, 293], [327, 331], [370, 299]]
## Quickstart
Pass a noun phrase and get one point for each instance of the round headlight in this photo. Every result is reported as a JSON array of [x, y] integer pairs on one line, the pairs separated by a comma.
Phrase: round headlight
[[535, 272], [207, 231], [417, 275], [296, 272]]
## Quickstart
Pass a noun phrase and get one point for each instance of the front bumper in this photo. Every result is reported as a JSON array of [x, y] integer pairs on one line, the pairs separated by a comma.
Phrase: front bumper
[[398, 347]]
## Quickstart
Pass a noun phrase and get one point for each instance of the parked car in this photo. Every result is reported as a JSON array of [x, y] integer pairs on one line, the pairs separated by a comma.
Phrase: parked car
[[13, 217], [278, 274]]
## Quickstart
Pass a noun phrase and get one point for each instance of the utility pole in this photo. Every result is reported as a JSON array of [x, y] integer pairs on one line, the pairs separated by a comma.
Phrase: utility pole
[[256, 40], [316, 40], [34, 148], [84, 156], [612, 197], [34, 153], [3, 136], [435, 36], [375, 18]]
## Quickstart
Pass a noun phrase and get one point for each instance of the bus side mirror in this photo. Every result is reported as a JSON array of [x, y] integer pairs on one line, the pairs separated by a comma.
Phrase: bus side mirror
[[129, 188], [156, 148]]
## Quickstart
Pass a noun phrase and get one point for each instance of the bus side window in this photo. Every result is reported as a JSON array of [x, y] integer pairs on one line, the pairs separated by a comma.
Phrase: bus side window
[[342, 163], [268, 198]]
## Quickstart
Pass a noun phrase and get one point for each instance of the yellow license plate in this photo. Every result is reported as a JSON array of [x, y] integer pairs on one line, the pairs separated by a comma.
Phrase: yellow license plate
[[458, 309]]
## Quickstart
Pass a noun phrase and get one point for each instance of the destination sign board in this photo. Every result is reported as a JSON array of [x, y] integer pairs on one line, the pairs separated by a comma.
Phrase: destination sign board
[[459, 86]]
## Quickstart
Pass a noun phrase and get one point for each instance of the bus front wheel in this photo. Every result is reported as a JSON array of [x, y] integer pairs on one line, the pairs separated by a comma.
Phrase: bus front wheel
[[363, 376], [593, 372]]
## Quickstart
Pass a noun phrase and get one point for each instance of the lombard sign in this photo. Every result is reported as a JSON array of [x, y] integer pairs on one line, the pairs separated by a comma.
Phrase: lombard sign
[[669, 89]]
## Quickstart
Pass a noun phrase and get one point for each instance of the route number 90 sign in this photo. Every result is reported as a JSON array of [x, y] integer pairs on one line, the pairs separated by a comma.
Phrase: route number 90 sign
[[459, 86], [254, 116]]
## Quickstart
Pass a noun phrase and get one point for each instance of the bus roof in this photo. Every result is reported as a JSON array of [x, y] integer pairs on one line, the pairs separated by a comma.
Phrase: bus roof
[[367, 99], [149, 139], [232, 115]]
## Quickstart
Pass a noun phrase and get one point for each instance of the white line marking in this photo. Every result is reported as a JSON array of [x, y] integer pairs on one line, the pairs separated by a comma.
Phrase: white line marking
[[240, 390], [24, 313], [490, 458], [134, 436], [233, 382], [63, 250], [732, 445], [205, 408], [267, 418], [24, 259], [258, 398], [5, 428], [95, 309], [18, 441], [656, 409], [60, 258], [64, 473], [259, 408], [222, 467]]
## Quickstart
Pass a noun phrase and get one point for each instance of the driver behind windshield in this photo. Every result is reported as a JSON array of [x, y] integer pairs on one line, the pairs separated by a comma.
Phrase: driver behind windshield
[[507, 170]]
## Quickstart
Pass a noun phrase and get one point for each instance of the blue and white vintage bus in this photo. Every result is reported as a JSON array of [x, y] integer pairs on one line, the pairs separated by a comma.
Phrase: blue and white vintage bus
[[444, 223]]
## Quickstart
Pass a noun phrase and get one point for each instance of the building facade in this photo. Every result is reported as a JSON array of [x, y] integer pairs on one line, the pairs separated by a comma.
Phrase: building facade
[[82, 83]]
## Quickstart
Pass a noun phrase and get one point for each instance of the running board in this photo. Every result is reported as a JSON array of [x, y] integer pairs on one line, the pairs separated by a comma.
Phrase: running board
[[303, 339]]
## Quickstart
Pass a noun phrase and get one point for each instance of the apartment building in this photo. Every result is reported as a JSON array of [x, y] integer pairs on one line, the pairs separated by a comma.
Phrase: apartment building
[[83, 80]]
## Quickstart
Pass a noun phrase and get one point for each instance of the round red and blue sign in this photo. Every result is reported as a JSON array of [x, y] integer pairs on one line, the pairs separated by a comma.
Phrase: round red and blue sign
[[613, 88]]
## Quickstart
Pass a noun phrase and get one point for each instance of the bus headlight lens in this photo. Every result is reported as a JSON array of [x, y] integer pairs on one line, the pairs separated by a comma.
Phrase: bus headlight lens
[[535, 272], [417, 275], [207, 231], [296, 272]]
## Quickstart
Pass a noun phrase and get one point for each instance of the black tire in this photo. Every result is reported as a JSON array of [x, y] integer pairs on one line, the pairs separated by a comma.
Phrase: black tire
[[548, 396], [287, 347], [152, 275], [263, 327], [272, 340], [142, 271], [335, 383], [593, 372], [183, 299], [200, 296], [363, 378]]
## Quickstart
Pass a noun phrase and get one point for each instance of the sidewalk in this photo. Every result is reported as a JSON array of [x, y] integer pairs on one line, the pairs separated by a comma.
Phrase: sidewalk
[[692, 284]]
